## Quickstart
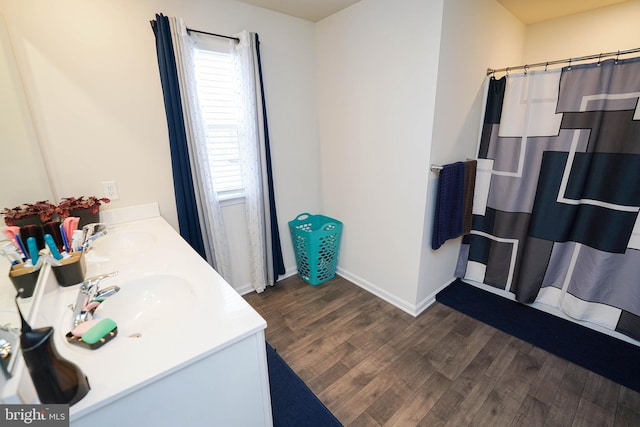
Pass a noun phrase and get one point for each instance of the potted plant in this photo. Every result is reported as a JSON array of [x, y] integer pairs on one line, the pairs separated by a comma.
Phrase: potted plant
[[85, 208], [36, 213]]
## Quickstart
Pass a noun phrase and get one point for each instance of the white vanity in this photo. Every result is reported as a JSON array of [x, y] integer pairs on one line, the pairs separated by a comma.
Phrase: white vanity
[[189, 351]]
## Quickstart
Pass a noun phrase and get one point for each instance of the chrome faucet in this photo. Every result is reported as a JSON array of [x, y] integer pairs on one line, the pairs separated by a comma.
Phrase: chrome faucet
[[90, 292], [91, 232]]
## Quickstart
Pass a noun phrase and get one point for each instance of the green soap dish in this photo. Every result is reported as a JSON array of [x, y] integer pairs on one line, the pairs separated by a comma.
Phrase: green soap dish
[[100, 334]]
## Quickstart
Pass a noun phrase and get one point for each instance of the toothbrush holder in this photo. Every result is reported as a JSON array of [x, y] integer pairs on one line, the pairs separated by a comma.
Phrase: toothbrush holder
[[24, 278], [72, 270]]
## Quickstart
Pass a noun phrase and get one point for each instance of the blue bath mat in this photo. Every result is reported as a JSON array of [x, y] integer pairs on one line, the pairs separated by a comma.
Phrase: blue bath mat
[[610, 357], [292, 402]]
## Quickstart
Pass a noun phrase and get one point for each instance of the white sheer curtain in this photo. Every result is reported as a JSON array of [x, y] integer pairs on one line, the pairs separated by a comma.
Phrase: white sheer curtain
[[209, 211], [253, 158], [252, 146]]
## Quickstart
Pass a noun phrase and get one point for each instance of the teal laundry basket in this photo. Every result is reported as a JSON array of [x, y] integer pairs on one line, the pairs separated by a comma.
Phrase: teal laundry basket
[[316, 240]]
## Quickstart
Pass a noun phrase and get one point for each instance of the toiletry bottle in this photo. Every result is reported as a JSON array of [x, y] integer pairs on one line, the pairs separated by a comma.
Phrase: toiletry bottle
[[55, 379]]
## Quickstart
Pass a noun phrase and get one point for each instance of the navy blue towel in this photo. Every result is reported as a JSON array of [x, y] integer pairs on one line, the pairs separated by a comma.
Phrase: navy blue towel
[[447, 223]]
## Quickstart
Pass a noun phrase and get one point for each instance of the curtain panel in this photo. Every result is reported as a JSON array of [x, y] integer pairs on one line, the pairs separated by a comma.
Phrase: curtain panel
[[188, 219], [211, 220], [264, 238], [199, 212], [558, 192]]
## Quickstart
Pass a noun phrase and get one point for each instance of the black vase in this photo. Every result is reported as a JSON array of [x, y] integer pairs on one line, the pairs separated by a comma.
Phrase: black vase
[[32, 230], [28, 220], [85, 215], [55, 379]]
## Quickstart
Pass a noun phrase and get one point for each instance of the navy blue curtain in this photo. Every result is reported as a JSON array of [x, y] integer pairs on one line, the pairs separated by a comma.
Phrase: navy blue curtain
[[182, 179], [276, 248]]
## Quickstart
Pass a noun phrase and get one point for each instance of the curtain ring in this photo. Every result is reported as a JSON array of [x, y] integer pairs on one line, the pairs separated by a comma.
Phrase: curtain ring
[[526, 69], [546, 66], [617, 58], [569, 67], [507, 70], [599, 60]]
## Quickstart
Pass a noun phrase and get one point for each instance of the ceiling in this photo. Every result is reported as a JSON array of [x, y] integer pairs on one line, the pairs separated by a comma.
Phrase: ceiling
[[311, 10], [527, 11], [533, 11]]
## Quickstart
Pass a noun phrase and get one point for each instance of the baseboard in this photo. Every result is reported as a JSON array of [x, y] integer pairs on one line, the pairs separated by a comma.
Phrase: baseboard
[[408, 308], [291, 271], [380, 293], [247, 288], [431, 298], [414, 310]]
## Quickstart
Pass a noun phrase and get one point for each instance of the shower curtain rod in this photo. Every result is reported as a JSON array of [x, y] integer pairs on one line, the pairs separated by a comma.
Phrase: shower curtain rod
[[599, 56], [214, 34]]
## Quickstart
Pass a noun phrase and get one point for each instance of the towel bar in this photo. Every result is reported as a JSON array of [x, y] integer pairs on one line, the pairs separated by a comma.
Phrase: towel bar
[[438, 168]]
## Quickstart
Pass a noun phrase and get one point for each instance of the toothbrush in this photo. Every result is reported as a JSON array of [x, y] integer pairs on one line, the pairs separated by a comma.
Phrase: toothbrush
[[13, 234], [23, 249], [53, 248], [65, 241], [33, 249], [70, 225], [11, 252], [76, 240]]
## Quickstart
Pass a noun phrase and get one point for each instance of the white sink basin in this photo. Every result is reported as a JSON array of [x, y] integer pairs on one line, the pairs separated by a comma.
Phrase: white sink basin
[[120, 243], [151, 305], [148, 304]]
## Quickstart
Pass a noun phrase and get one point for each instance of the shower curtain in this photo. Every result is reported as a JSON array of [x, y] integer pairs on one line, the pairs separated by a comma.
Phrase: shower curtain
[[558, 192]]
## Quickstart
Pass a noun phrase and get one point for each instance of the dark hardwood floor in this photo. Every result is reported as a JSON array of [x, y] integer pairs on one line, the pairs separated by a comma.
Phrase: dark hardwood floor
[[372, 364]]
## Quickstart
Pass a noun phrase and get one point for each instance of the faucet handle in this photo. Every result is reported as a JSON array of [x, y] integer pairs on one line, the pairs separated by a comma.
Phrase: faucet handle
[[91, 232], [90, 282], [87, 293], [93, 228]]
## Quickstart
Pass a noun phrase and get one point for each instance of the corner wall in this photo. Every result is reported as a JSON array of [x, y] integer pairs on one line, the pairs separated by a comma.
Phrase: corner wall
[[377, 72], [476, 35]]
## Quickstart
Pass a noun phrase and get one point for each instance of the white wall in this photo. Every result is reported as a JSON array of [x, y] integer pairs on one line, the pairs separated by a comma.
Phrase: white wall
[[399, 88], [91, 73], [24, 177], [476, 35], [377, 71], [608, 29]]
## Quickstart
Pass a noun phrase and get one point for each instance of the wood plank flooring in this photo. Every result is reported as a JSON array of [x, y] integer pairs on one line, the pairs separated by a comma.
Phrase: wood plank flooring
[[372, 364]]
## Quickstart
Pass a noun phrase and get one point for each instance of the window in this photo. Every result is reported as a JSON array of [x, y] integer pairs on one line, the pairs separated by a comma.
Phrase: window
[[218, 99]]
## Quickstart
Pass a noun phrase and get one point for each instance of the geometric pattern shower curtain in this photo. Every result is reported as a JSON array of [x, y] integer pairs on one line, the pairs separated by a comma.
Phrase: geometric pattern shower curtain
[[558, 192]]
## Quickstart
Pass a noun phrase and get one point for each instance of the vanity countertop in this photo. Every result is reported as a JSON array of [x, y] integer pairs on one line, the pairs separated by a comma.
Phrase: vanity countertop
[[172, 310]]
